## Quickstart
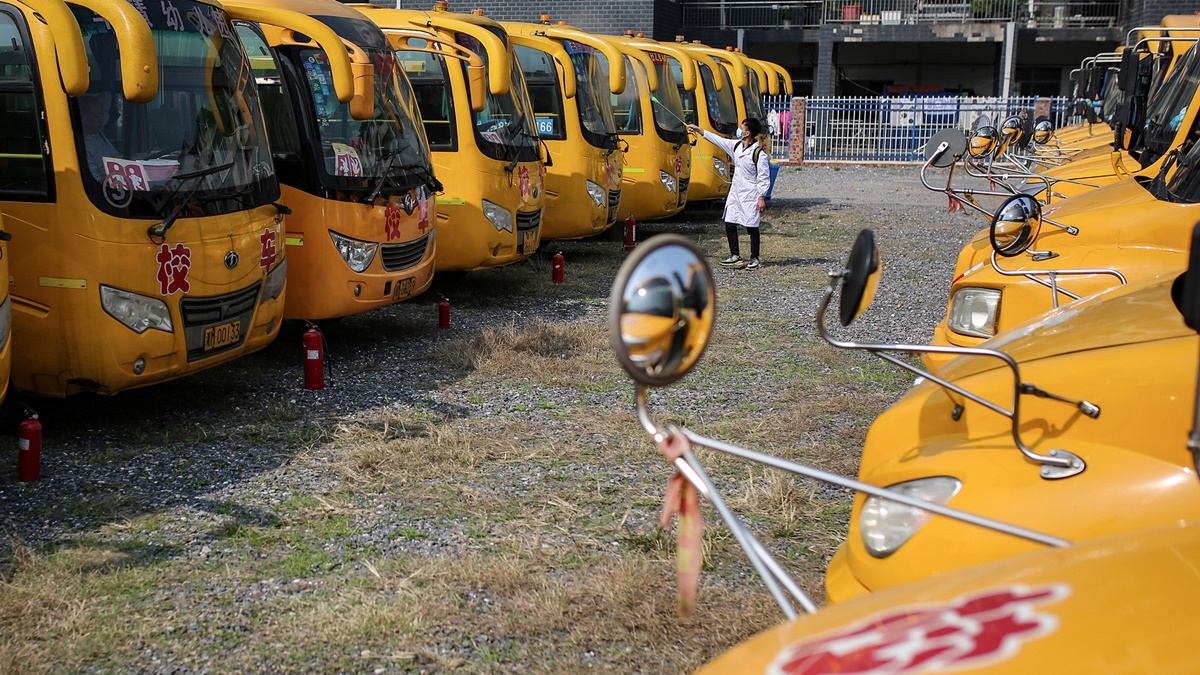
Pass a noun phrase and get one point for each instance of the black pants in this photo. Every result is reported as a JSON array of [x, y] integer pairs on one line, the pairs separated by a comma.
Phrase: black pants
[[731, 233]]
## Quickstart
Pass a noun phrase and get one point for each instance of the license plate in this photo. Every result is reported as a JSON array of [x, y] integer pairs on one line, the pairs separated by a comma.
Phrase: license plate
[[222, 335], [529, 241], [404, 288]]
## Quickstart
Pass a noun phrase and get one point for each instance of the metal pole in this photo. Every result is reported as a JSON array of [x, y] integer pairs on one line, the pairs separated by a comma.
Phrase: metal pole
[[1010, 54]]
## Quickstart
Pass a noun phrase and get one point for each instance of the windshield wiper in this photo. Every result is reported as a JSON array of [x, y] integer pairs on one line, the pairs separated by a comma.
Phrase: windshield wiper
[[384, 175], [424, 174], [160, 230]]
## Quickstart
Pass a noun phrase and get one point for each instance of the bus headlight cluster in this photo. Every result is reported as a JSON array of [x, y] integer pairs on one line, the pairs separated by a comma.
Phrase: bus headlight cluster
[[137, 312], [273, 286], [500, 217], [597, 193], [357, 254], [886, 525], [668, 180], [722, 167], [973, 311], [5, 320]]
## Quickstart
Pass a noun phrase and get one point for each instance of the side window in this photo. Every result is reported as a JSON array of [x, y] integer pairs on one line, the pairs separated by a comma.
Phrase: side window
[[427, 74], [24, 167], [278, 115]]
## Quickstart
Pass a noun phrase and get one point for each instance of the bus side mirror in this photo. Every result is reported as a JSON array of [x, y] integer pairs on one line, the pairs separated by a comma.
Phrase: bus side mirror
[[1016, 225], [861, 278], [661, 310], [362, 106], [476, 83]]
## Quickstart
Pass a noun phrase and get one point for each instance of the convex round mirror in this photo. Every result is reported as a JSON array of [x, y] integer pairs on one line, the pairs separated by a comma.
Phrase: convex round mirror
[[1010, 133], [1016, 225], [861, 279], [660, 312], [1043, 131], [983, 143], [956, 144]]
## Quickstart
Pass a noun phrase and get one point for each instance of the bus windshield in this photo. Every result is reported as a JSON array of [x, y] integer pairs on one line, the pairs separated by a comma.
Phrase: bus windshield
[[668, 110], [200, 140], [591, 89], [358, 153], [427, 75], [1169, 107], [545, 91], [752, 97], [504, 128]]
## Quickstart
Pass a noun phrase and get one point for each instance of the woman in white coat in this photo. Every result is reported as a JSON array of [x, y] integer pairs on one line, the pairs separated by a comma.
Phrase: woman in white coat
[[748, 190]]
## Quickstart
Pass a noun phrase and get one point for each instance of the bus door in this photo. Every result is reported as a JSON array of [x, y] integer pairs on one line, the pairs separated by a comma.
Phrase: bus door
[[352, 154], [148, 225]]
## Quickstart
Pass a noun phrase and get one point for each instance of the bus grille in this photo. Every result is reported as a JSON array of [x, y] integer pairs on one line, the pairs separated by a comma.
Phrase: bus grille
[[683, 186], [614, 200], [403, 256], [528, 221], [232, 313]]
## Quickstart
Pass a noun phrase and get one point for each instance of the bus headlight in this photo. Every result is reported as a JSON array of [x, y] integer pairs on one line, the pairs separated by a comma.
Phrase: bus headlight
[[668, 180], [501, 218], [137, 312], [886, 525], [973, 311], [5, 320], [273, 286], [357, 254], [722, 167], [597, 193]]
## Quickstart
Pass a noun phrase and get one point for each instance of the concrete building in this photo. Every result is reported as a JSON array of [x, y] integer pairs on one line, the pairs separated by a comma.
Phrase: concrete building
[[875, 47]]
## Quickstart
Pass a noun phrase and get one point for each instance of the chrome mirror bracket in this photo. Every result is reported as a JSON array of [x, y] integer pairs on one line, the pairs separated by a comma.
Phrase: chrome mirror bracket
[[1077, 466]]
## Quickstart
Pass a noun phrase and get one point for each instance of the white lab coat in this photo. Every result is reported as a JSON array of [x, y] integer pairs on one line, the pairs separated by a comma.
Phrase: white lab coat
[[749, 182]]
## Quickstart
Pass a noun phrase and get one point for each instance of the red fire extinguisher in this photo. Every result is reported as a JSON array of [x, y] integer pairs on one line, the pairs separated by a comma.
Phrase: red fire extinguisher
[[444, 314], [630, 233], [556, 268], [314, 358], [29, 449]]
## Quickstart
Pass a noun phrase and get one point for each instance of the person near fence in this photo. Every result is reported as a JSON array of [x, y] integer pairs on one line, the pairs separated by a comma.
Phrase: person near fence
[[748, 189]]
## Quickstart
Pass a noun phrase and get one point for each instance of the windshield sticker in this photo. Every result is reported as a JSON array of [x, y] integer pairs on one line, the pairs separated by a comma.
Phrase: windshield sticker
[[545, 125], [490, 136], [655, 57], [173, 266], [574, 47], [971, 631], [171, 16], [346, 161], [126, 174], [523, 178], [269, 251]]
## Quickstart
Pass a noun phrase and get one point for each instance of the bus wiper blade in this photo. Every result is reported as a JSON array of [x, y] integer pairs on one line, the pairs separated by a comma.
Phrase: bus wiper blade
[[160, 230], [424, 174], [384, 175]]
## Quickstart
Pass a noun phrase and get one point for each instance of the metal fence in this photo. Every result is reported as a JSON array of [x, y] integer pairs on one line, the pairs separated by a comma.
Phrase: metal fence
[[889, 129], [811, 13]]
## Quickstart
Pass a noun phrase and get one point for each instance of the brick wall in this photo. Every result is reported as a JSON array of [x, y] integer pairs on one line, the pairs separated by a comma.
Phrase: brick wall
[[611, 17], [1150, 12]]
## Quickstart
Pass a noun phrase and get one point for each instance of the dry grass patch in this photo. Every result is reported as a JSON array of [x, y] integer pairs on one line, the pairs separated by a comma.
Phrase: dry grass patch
[[562, 353]]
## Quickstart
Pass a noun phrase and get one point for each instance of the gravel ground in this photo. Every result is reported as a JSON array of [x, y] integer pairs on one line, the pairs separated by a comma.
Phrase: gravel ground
[[239, 443]]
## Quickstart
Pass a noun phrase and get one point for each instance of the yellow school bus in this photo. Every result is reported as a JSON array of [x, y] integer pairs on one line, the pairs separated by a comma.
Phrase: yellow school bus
[[650, 119], [490, 214], [139, 187], [712, 107], [1171, 112], [575, 120], [356, 175], [1132, 229]]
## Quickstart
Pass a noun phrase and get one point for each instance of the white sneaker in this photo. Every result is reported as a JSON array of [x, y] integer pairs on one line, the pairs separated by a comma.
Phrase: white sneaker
[[753, 264], [733, 261]]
